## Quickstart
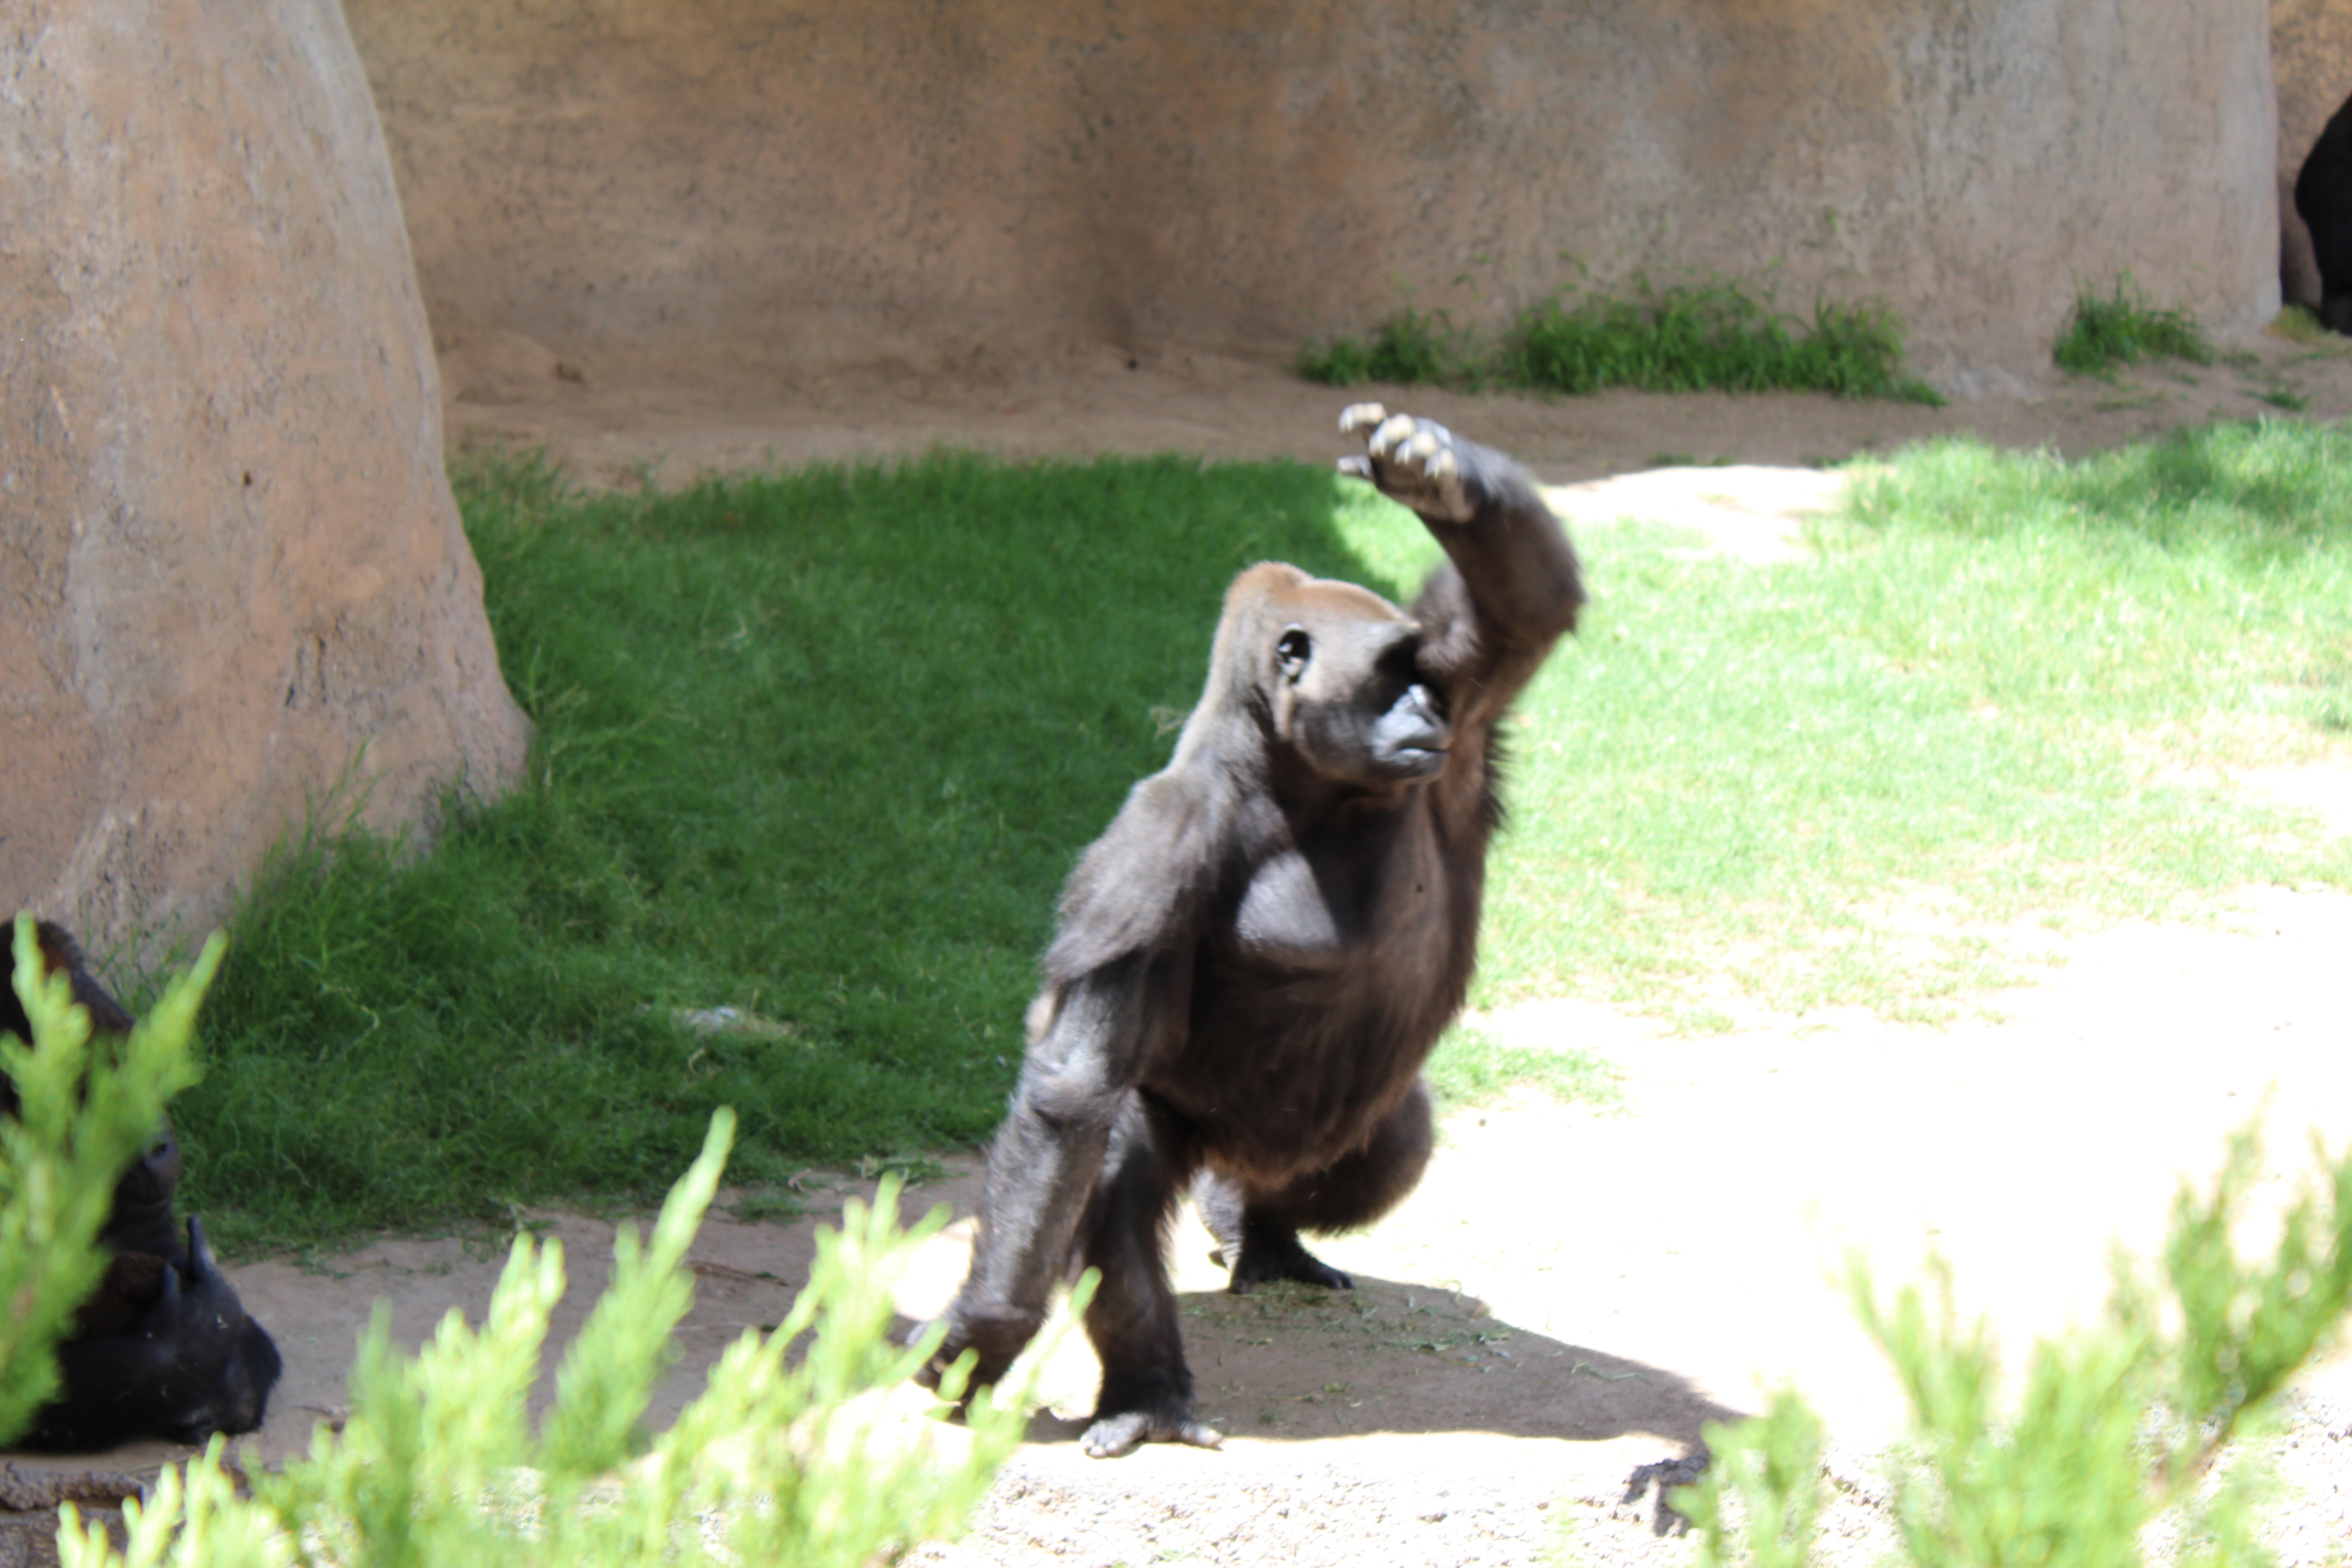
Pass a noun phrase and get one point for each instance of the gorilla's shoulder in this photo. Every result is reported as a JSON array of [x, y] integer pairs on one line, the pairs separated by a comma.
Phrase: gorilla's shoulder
[[1144, 883]]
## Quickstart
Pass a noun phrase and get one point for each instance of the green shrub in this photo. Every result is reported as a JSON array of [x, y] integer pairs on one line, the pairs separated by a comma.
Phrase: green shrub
[[2124, 328], [778, 1461], [84, 1108], [1716, 336], [2114, 1427], [1412, 347]]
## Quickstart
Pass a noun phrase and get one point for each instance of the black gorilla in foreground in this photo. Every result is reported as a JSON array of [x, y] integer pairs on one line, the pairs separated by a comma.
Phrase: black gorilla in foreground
[[163, 1348], [2323, 199], [1254, 961]]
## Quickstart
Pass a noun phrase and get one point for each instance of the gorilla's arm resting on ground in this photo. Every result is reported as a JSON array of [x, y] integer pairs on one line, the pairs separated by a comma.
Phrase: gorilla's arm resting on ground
[[1043, 1163]]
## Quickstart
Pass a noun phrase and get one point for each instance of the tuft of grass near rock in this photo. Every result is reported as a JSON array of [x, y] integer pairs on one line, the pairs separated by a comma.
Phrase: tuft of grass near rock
[[1411, 348], [2301, 324], [2105, 333], [1717, 336]]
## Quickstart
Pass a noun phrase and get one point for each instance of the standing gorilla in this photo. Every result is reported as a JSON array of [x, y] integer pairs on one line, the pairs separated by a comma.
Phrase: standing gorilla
[[1255, 960], [163, 1348], [2323, 199]]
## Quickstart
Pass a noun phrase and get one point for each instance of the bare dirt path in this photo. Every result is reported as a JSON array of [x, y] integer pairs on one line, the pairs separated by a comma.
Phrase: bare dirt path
[[1571, 1294], [669, 423]]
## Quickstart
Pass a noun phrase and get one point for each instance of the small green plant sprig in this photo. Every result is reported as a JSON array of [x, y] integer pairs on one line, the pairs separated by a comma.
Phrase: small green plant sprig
[[2114, 1427], [778, 1461], [84, 1109], [1771, 1466], [2103, 333]]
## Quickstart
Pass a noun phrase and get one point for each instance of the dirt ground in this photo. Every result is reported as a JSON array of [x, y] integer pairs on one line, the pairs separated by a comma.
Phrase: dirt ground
[[1571, 1294]]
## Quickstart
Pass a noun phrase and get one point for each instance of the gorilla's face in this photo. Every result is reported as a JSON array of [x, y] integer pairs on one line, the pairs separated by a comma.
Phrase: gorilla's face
[[1345, 691]]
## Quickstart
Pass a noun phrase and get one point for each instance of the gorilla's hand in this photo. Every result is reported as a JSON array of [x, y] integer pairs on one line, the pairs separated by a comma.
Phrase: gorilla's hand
[[994, 1340], [1411, 461]]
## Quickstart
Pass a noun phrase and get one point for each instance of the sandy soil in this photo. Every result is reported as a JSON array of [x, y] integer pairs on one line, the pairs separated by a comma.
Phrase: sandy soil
[[624, 424], [1571, 1294]]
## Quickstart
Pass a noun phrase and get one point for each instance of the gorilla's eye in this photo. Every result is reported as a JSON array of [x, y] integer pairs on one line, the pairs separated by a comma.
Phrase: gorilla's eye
[[1293, 650]]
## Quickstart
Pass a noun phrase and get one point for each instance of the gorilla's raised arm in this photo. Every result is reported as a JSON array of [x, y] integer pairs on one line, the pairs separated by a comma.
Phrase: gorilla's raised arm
[[1254, 958], [1513, 587]]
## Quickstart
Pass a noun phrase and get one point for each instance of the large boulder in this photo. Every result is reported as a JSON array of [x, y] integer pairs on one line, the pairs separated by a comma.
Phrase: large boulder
[[2311, 49], [235, 575], [795, 185]]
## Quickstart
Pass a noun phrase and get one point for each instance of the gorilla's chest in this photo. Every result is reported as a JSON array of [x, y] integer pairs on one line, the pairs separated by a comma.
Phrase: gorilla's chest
[[1313, 1006], [1315, 908], [1326, 947]]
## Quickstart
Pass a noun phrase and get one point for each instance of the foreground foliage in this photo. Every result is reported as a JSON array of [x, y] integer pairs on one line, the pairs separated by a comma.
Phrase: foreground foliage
[[2112, 1428], [437, 1466], [85, 1108]]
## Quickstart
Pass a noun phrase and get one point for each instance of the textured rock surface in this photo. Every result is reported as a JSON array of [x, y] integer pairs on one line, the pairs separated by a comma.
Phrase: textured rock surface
[[233, 569], [792, 186], [2311, 43]]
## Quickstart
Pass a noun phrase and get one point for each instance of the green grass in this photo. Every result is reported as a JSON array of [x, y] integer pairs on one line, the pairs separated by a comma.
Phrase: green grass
[[820, 747], [2003, 694], [1473, 1065], [1685, 338], [1411, 347], [1718, 338], [2103, 333]]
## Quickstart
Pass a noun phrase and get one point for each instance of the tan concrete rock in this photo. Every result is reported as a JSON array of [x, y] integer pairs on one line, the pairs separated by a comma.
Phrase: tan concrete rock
[[792, 186], [2311, 50], [234, 571]]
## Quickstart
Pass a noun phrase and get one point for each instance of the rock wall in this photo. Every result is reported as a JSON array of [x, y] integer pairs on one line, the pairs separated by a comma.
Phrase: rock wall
[[2311, 49], [234, 573], [789, 185]]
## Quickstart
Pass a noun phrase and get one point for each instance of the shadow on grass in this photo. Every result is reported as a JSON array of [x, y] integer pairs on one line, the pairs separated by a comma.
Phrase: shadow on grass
[[816, 748]]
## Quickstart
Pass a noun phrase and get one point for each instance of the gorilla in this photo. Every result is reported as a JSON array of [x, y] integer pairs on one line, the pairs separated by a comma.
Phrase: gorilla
[[1253, 962], [2323, 199], [163, 1348]]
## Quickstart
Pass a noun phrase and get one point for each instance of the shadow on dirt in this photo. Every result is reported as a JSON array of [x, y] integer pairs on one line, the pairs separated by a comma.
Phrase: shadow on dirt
[[1292, 1362]]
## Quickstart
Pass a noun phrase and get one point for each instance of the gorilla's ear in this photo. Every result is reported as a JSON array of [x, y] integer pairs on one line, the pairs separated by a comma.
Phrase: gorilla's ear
[[1295, 648]]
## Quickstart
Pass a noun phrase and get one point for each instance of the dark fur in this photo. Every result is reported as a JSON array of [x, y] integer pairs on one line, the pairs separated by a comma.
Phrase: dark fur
[[163, 1348], [1253, 960], [2323, 199]]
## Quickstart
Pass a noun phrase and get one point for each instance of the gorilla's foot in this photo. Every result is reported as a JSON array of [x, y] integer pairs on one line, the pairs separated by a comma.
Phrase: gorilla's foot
[[1273, 1253], [1122, 1433], [1147, 1406]]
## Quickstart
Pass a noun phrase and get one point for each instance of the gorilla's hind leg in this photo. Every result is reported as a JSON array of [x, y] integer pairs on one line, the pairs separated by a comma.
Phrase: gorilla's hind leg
[[1147, 1387], [1254, 1244], [1257, 1232]]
